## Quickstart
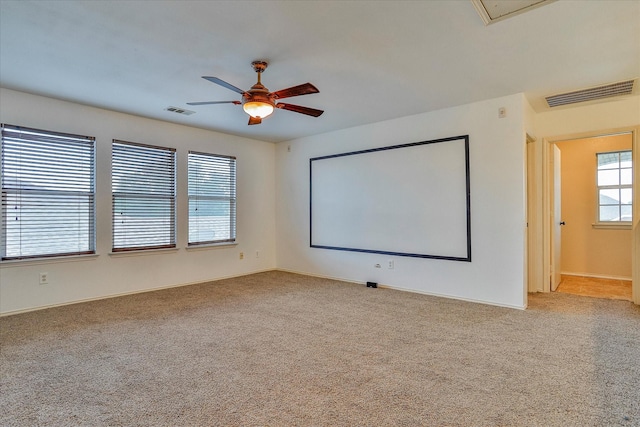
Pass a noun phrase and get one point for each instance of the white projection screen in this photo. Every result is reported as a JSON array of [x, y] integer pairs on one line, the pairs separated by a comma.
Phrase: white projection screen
[[406, 200]]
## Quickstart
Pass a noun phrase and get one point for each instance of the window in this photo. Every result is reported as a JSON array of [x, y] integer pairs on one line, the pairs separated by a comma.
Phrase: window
[[143, 196], [614, 186], [48, 199], [212, 198]]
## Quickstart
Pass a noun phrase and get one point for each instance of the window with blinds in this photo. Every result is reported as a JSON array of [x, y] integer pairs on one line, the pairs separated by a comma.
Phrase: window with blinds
[[48, 198], [143, 196], [615, 188], [212, 198]]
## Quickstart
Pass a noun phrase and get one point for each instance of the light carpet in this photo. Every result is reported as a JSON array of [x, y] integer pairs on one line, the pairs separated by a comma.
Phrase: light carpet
[[280, 349]]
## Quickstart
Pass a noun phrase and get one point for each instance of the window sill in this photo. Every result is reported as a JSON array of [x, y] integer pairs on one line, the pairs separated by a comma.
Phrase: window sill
[[143, 252], [613, 226], [211, 246], [48, 260]]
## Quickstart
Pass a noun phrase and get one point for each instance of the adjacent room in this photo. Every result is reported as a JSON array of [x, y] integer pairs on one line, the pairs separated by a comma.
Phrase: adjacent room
[[596, 237], [320, 213]]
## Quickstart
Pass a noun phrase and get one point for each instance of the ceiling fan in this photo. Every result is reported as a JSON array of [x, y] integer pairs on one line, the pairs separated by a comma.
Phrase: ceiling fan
[[259, 103]]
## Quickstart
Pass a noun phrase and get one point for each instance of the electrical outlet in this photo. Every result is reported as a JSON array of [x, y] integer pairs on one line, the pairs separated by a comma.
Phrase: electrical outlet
[[502, 112], [241, 255], [377, 266], [44, 278], [390, 265]]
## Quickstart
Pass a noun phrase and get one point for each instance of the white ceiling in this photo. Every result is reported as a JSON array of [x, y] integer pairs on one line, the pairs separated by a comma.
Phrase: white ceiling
[[371, 60]]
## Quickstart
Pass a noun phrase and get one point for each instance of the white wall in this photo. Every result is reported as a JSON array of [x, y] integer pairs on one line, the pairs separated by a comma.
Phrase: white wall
[[620, 113], [273, 202], [106, 275], [496, 273]]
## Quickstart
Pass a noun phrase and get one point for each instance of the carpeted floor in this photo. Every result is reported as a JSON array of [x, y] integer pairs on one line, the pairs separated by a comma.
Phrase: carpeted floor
[[279, 349]]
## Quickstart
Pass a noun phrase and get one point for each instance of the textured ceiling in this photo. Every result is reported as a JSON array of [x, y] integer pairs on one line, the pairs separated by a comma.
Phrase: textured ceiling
[[371, 61]]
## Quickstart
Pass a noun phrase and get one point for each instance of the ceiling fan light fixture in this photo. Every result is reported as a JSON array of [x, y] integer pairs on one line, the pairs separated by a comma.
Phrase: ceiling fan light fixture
[[258, 109]]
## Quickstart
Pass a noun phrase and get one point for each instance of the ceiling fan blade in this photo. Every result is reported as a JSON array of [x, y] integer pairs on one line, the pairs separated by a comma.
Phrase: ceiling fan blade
[[254, 120], [223, 84], [214, 102], [298, 109], [303, 89]]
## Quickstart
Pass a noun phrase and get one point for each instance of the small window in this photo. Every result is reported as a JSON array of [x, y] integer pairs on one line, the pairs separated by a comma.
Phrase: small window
[[48, 199], [143, 186], [615, 191], [212, 198]]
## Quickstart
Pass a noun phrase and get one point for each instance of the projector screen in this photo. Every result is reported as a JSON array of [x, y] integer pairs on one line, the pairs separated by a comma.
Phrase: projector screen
[[407, 200]]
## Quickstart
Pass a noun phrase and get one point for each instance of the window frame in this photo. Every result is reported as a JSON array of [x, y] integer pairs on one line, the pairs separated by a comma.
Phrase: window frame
[[140, 197], [40, 203], [599, 223], [214, 163]]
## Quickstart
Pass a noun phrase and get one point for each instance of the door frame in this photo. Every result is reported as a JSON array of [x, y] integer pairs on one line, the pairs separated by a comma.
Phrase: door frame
[[533, 234], [545, 205], [555, 217]]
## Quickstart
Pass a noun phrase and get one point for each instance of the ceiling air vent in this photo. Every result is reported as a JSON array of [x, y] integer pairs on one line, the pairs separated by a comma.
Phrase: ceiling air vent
[[180, 111], [594, 93]]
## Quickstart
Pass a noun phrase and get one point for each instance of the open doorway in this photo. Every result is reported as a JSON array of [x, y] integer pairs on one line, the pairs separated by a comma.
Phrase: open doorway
[[590, 240]]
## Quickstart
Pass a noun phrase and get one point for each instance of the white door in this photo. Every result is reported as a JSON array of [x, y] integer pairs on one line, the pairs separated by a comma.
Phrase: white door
[[556, 220]]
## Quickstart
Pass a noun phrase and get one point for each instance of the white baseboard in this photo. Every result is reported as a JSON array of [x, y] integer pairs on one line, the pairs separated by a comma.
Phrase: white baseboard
[[596, 276], [432, 294], [321, 276], [476, 301], [26, 310], [122, 294]]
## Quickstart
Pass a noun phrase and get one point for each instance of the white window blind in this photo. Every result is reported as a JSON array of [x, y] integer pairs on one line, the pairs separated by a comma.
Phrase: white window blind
[[143, 196], [212, 198], [47, 193]]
